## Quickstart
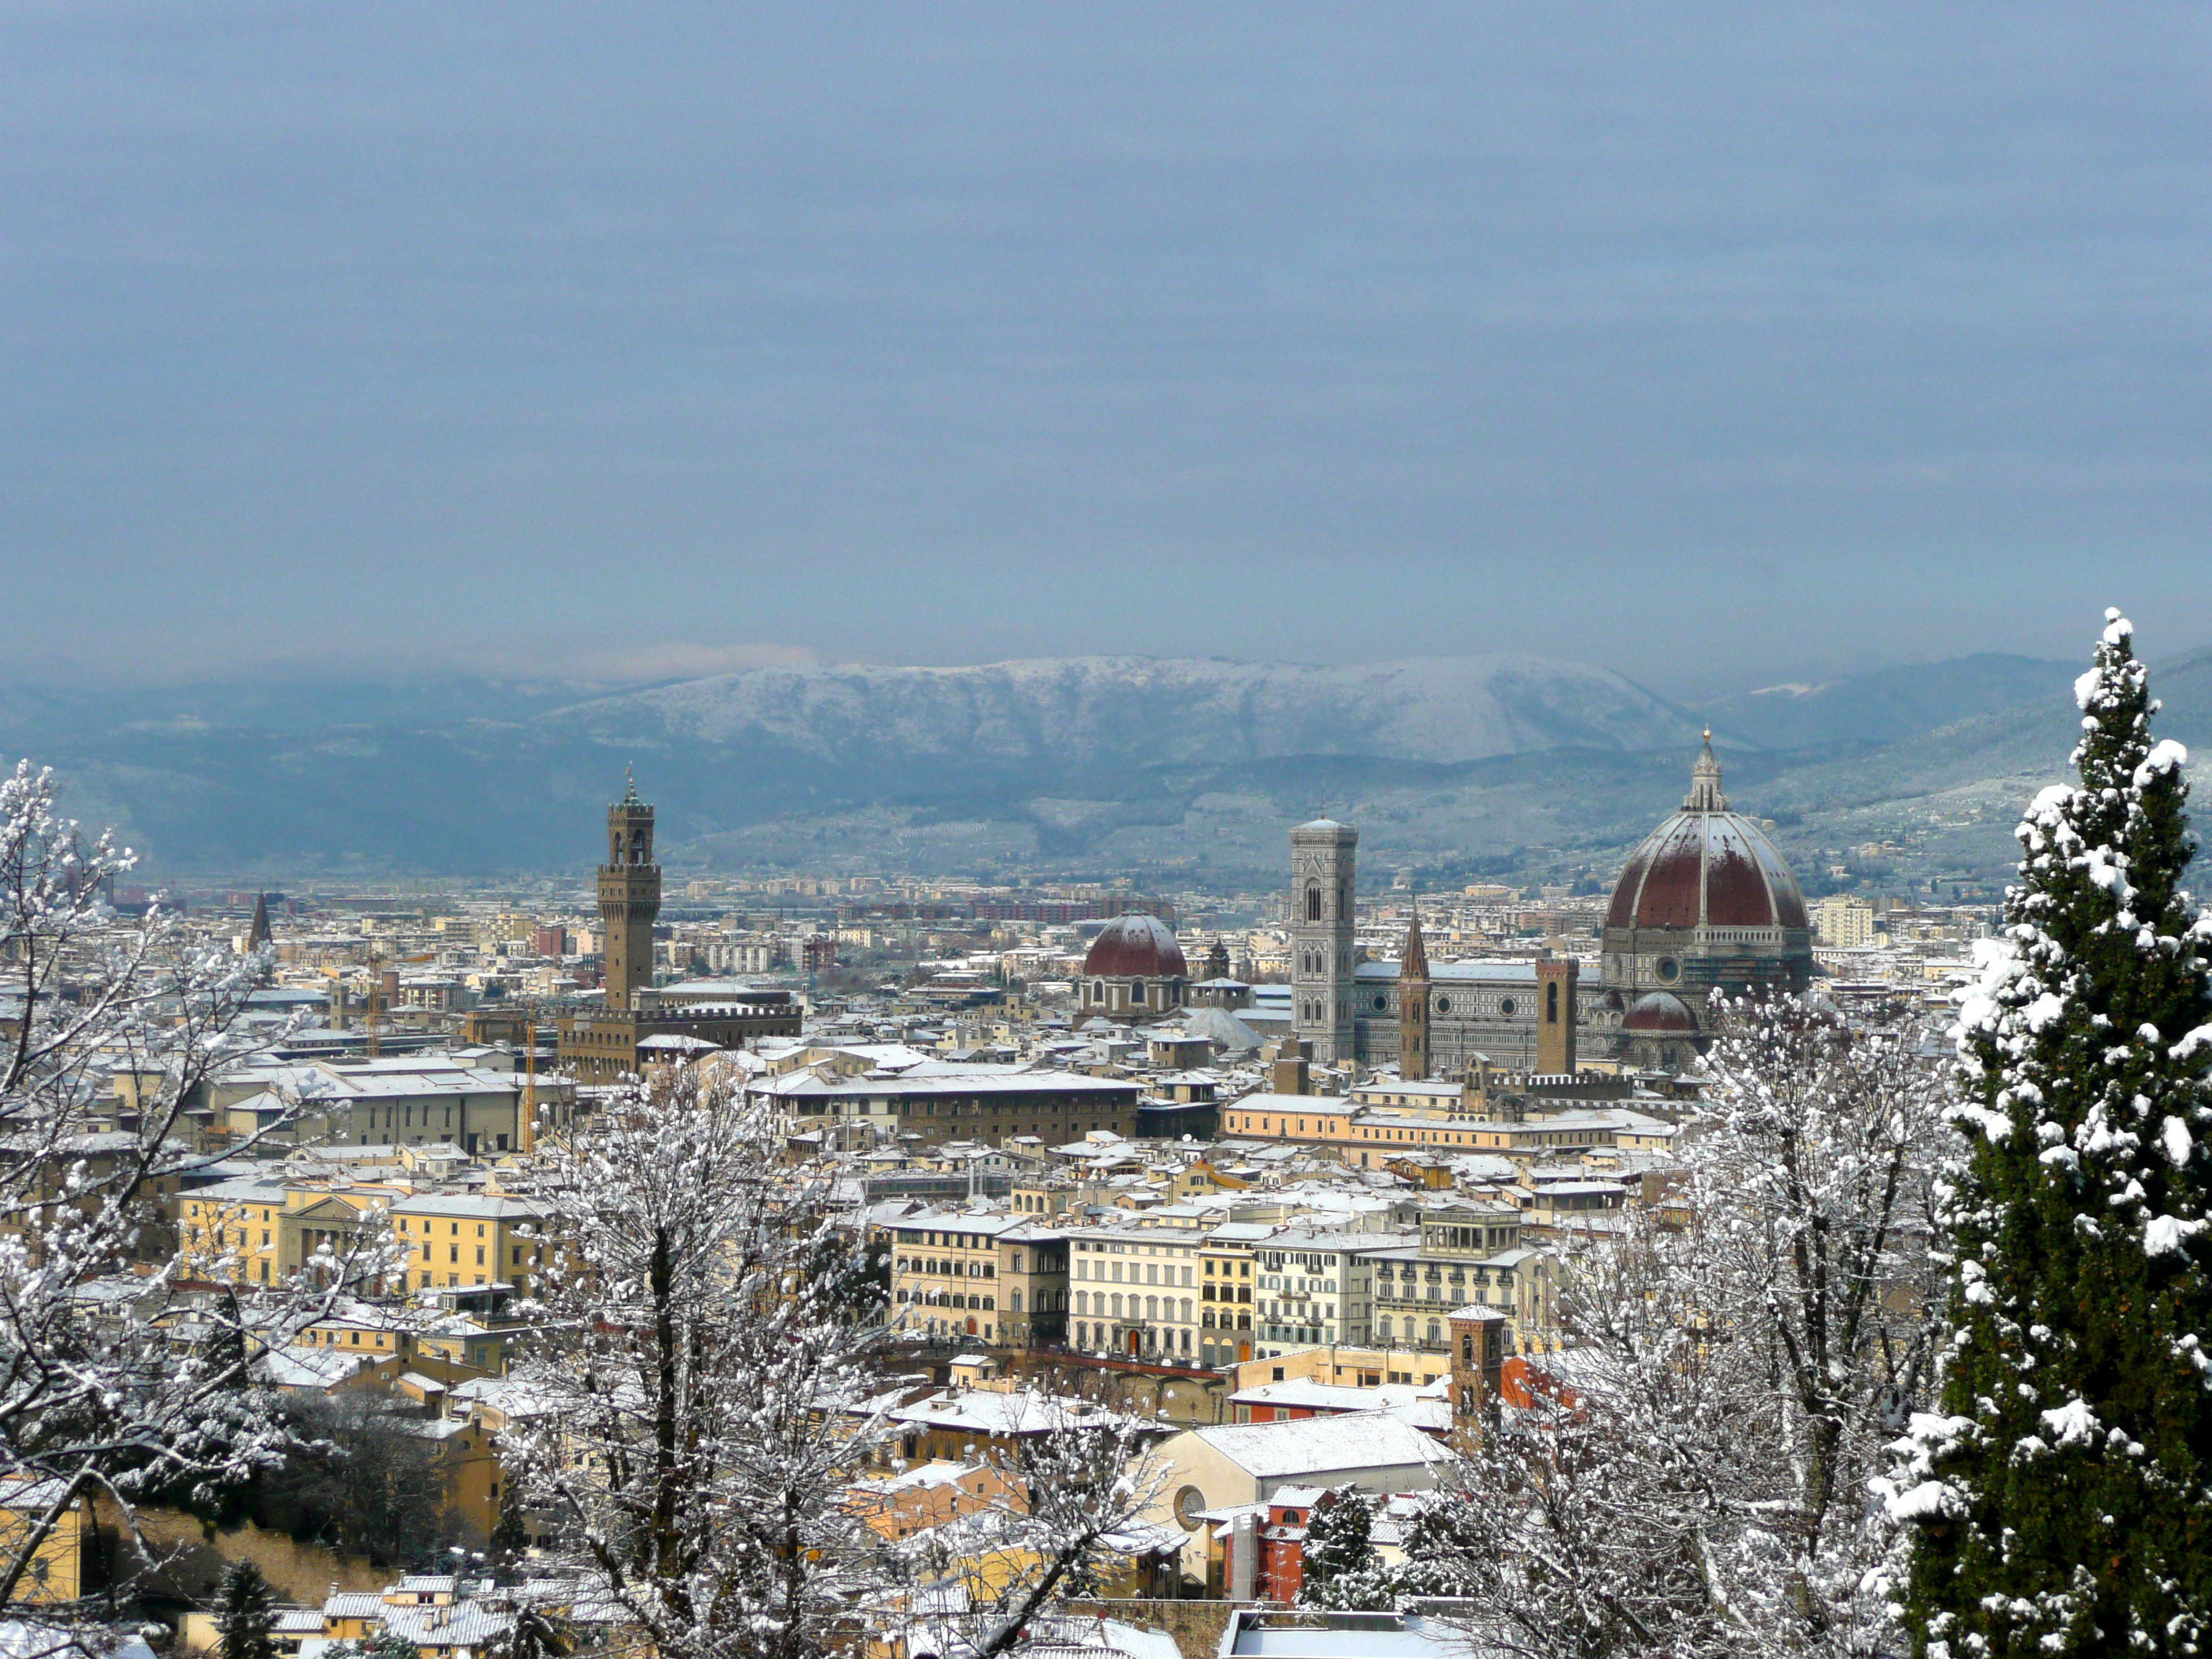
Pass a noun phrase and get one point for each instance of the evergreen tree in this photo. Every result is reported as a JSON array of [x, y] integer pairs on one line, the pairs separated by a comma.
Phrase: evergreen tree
[[1340, 1568], [510, 1536], [379, 1643], [245, 1614], [222, 1349], [2059, 1499], [1435, 1541]]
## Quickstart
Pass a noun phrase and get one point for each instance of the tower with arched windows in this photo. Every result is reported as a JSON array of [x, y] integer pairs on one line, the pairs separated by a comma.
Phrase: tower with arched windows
[[1706, 902], [1322, 855], [630, 899], [600, 1045]]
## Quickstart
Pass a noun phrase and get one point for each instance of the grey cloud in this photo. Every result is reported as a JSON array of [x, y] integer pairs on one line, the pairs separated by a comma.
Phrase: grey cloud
[[961, 332]]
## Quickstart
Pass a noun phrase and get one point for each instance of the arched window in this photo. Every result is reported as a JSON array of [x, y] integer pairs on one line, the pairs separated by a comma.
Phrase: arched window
[[1313, 902], [1136, 991], [1552, 1003], [1098, 990]]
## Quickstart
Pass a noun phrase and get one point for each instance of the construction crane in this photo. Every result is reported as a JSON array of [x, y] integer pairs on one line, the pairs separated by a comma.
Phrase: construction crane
[[372, 1025], [527, 1129]]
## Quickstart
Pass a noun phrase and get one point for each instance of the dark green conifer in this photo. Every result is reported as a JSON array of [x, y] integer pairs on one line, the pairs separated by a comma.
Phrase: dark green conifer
[[2059, 1497], [245, 1614], [1340, 1568]]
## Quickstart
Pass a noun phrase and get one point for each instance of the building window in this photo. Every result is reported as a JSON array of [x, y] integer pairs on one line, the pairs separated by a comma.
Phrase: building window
[[1313, 903]]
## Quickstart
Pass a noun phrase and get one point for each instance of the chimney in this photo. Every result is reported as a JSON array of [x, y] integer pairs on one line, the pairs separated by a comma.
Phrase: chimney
[[1555, 1015]]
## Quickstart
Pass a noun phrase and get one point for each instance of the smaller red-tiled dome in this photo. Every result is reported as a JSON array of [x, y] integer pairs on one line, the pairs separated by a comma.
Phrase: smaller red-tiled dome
[[1660, 1011], [1136, 947]]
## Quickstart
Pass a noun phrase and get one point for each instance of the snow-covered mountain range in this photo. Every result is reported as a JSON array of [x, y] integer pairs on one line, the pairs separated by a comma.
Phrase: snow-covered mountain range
[[1067, 712], [1463, 762]]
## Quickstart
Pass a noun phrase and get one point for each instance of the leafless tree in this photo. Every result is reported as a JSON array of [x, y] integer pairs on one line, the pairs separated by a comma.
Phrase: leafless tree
[[1692, 1476], [701, 1376], [96, 1397], [1081, 1481]]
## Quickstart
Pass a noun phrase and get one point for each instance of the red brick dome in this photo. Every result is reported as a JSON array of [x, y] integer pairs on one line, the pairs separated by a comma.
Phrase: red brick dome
[[1660, 1011], [1136, 947], [1707, 867]]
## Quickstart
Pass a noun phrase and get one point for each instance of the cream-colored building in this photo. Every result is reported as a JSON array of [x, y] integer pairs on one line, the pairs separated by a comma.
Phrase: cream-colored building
[[1231, 1465], [1137, 1292], [1225, 1301], [999, 1279], [1843, 923]]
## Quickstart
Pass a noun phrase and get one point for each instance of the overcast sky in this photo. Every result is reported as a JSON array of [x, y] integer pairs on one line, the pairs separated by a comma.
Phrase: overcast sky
[[1714, 344]]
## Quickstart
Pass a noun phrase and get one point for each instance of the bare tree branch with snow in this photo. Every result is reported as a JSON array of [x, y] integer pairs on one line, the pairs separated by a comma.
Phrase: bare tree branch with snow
[[98, 1393], [698, 1378], [1693, 1480]]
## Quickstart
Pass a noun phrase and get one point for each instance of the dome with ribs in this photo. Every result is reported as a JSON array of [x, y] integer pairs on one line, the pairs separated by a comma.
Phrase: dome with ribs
[[1135, 946], [1660, 1011], [1707, 867]]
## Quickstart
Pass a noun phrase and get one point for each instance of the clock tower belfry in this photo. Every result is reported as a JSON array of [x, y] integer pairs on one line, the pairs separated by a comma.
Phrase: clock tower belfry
[[630, 899], [1413, 1004], [602, 1045], [1322, 854]]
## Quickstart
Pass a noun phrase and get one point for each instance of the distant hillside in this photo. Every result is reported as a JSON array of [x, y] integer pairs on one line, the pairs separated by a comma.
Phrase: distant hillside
[[2027, 744], [1078, 714], [1447, 764], [1887, 704]]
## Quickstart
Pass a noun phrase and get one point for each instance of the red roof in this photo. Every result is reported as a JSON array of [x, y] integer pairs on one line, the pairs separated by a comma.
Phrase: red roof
[[1136, 947], [1710, 869], [1660, 1010]]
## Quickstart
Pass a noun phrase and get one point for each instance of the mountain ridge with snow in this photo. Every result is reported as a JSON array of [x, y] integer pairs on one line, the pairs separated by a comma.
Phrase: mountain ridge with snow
[[1180, 710], [1098, 761]]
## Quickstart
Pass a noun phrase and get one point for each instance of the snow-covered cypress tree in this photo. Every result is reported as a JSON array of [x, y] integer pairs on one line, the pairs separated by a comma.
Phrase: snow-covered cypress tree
[[2060, 1497]]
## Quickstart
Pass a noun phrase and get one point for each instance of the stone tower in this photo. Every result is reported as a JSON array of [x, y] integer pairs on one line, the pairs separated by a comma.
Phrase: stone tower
[[1414, 1004], [258, 932], [1321, 858], [1556, 978], [630, 899]]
